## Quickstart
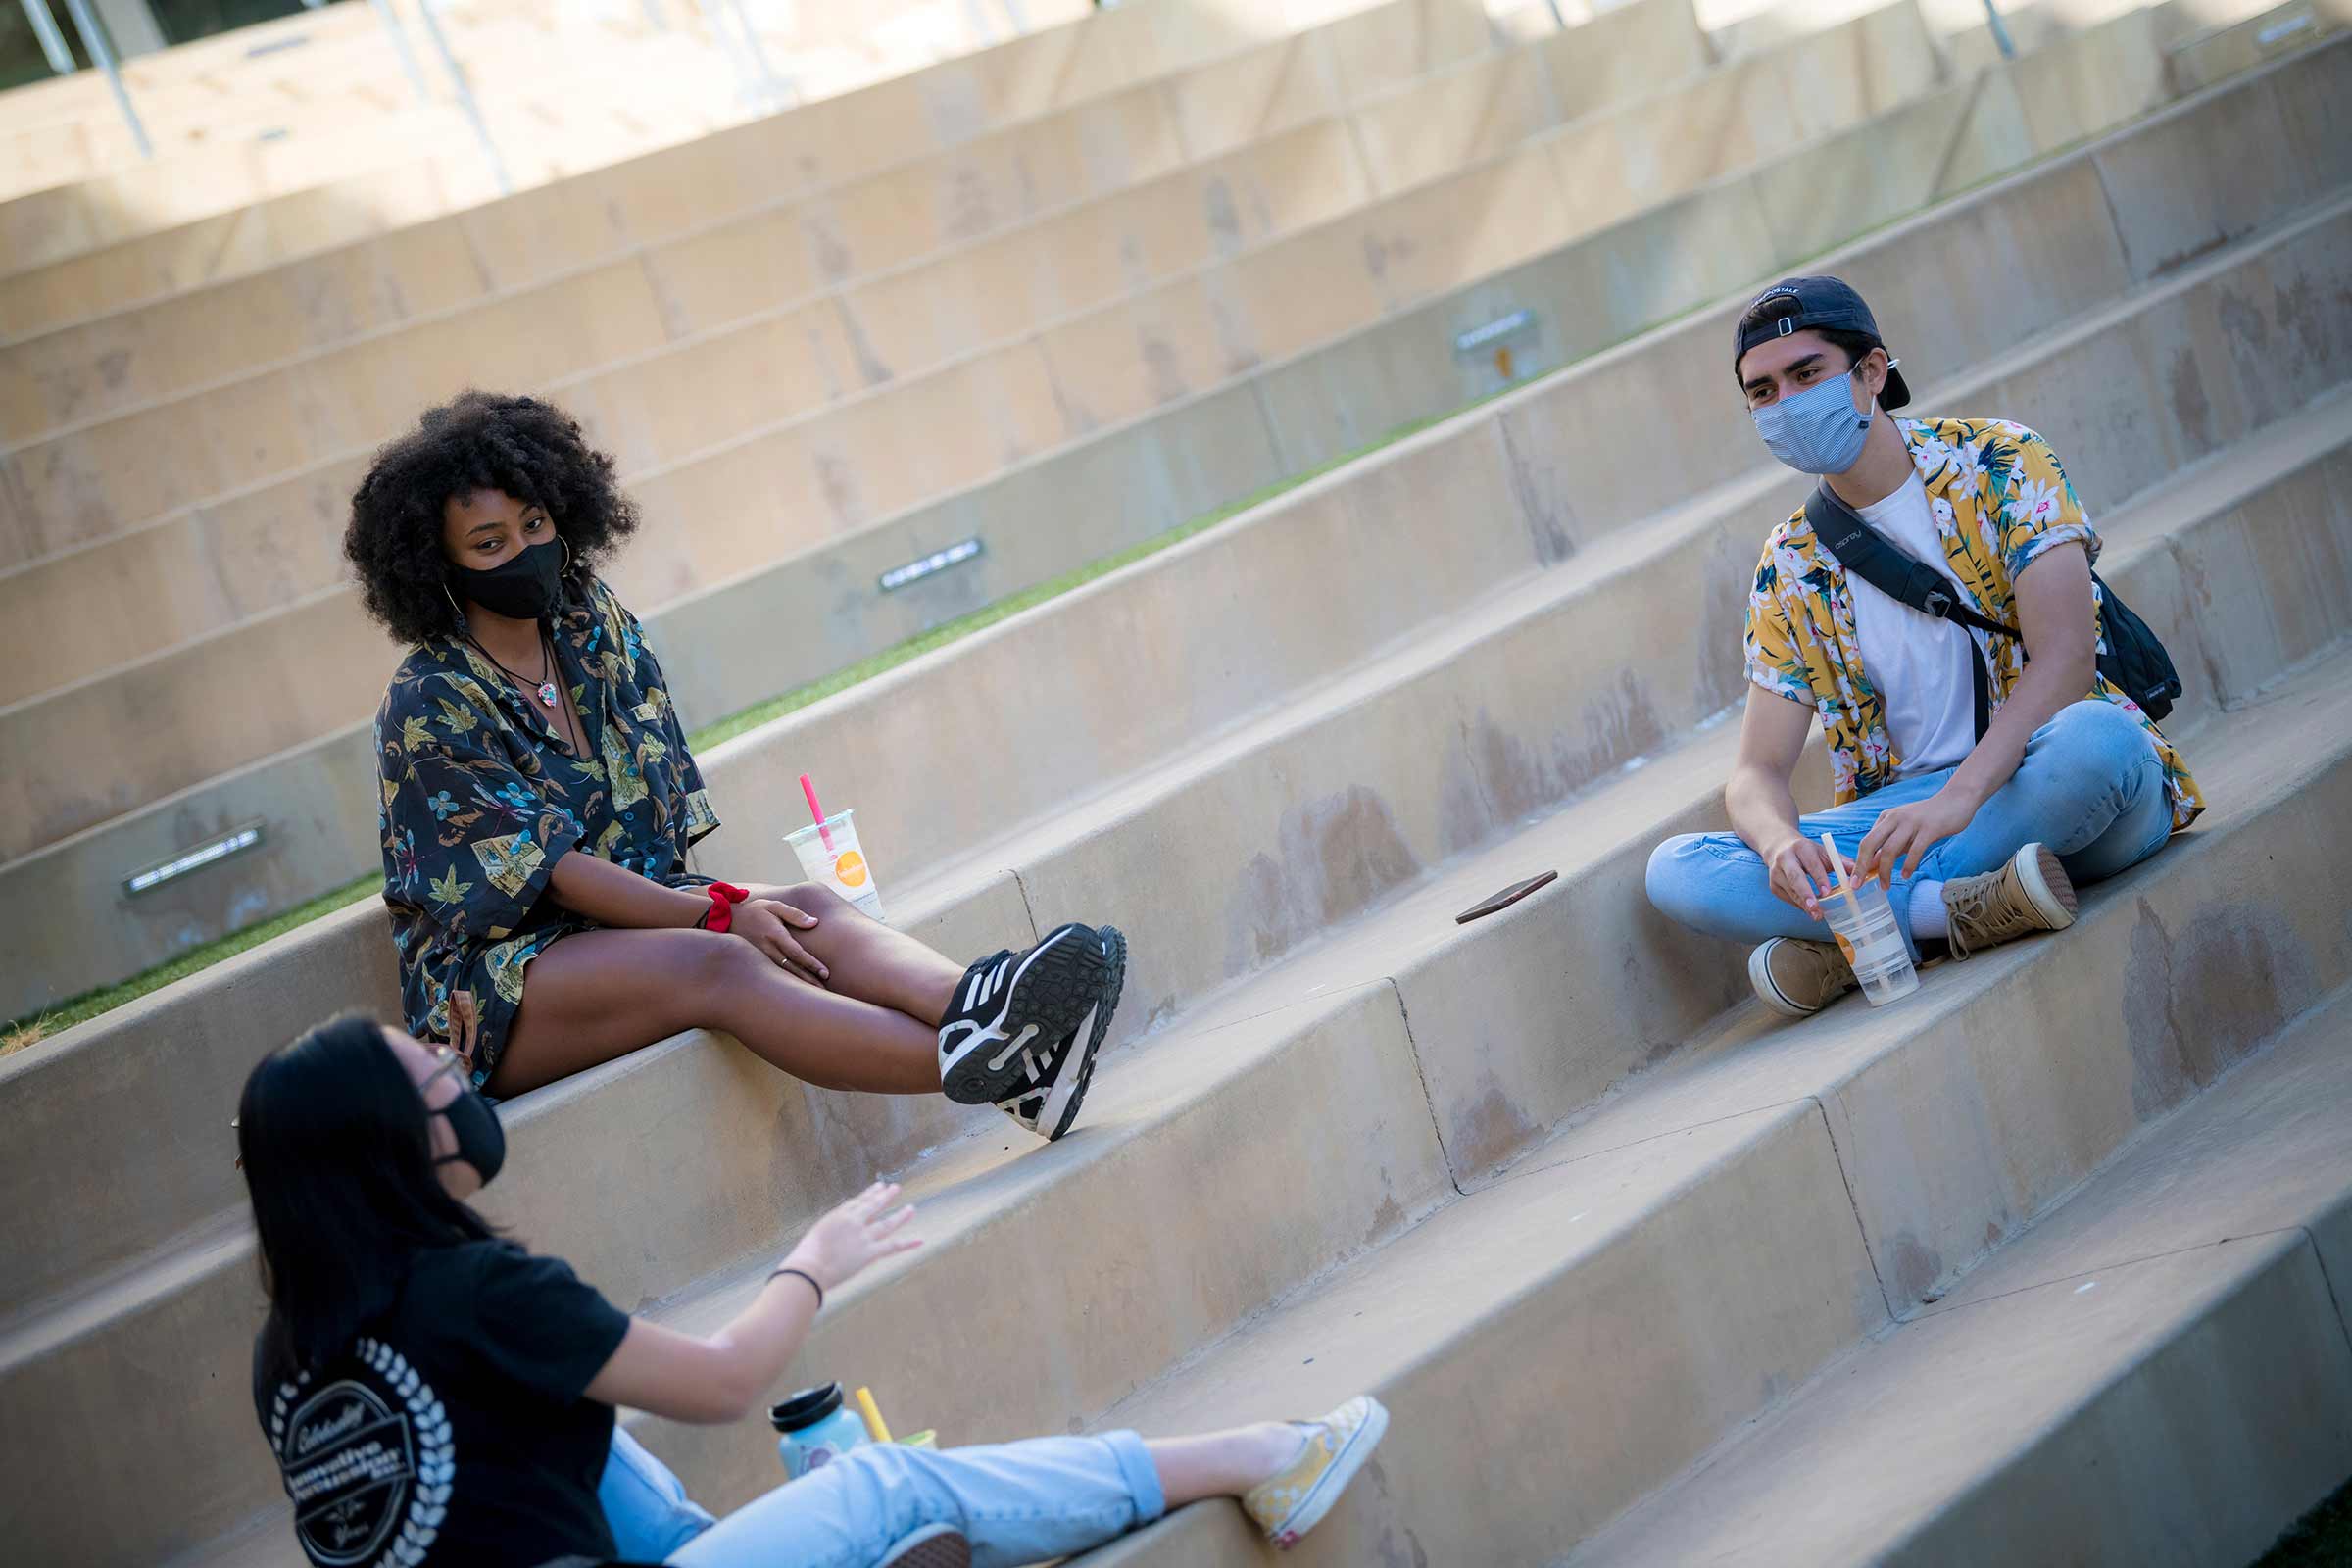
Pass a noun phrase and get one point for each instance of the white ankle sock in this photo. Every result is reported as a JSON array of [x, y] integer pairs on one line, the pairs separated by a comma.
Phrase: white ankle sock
[[1927, 911]]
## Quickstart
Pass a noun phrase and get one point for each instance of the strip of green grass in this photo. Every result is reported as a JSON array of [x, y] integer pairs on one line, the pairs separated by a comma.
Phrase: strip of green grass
[[23, 1032]]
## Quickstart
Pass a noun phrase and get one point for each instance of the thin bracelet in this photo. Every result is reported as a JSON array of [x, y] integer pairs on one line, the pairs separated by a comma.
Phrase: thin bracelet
[[804, 1274]]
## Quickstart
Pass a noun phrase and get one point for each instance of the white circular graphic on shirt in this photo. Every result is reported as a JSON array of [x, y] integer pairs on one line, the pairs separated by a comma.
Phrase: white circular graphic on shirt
[[370, 1483]]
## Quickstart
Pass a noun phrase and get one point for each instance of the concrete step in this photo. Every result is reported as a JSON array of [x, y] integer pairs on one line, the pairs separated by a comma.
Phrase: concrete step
[[1060, 365], [1228, 1085], [1560, 1343], [2156, 1371], [837, 137], [667, 349], [726, 649], [641, 1225], [1325, 799], [784, 246], [880, 123]]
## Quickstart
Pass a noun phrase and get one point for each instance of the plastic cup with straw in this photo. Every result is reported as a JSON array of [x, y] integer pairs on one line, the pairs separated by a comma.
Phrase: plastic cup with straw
[[830, 855], [1862, 919]]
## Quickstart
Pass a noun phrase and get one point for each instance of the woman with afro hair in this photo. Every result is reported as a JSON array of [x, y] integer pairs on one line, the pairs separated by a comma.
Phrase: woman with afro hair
[[539, 798]]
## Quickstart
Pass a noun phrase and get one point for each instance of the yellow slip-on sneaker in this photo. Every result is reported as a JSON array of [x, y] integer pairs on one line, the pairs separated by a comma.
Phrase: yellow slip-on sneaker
[[1336, 1447]]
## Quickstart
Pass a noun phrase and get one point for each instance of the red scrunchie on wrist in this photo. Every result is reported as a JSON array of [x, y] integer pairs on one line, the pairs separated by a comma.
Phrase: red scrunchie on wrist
[[721, 916]]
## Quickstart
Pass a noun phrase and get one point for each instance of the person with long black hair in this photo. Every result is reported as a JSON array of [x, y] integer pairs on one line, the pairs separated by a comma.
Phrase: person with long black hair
[[539, 800], [436, 1396]]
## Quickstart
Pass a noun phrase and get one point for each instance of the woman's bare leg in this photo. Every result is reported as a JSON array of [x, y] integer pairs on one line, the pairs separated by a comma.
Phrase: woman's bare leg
[[868, 960], [599, 995], [1224, 1464]]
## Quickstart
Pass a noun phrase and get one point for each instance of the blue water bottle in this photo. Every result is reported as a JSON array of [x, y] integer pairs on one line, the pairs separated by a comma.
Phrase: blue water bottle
[[816, 1430]]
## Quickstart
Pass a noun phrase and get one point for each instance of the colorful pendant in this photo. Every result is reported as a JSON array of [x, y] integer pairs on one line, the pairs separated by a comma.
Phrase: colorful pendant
[[547, 693]]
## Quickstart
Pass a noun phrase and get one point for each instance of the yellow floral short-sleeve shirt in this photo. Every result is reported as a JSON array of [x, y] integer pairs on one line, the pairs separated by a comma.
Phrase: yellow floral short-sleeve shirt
[[2000, 500]]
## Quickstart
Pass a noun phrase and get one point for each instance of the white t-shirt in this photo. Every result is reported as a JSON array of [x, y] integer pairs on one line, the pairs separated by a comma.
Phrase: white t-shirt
[[1917, 663]]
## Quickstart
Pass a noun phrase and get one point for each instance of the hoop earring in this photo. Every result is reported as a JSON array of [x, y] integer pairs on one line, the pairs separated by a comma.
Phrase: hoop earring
[[566, 544]]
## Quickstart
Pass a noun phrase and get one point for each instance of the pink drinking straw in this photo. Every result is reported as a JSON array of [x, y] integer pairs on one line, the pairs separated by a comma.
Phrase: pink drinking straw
[[823, 832]]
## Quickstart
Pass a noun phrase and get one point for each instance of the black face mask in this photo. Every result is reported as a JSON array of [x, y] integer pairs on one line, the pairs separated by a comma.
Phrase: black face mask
[[525, 587], [481, 1141]]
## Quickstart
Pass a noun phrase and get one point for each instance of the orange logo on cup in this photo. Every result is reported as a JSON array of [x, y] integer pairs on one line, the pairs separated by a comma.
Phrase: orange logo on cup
[[850, 870]]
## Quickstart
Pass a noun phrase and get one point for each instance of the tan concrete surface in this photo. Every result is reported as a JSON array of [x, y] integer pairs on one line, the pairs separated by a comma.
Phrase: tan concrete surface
[[2093, 1375], [809, 146], [875, 455], [653, 198], [858, 131], [729, 261], [1528, 1479], [1627, 487], [1311, 885], [997, 1405], [911, 321], [1209, 570]]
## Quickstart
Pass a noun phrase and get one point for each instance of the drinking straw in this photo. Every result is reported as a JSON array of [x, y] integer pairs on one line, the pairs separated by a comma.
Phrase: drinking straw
[[873, 1414], [1853, 900], [823, 832]]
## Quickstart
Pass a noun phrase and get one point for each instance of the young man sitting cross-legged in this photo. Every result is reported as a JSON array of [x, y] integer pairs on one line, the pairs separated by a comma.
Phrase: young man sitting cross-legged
[[1980, 793]]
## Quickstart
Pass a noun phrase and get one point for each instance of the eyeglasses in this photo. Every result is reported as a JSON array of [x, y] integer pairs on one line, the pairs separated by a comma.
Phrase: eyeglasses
[[446, 1060]]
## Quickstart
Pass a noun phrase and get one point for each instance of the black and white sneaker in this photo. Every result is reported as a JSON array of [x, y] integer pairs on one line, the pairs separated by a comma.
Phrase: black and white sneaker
[[1012, 1009], [1048, 1109]]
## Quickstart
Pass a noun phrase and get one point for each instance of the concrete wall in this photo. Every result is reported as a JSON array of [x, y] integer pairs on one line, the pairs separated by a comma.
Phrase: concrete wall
[[817, 612], [903, 443], [711, 262], [893, 119], [601, 1212], [193, 1041]]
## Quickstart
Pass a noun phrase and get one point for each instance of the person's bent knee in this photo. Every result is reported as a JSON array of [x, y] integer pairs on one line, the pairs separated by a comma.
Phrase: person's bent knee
[[814, 898], [724, 961], [2095, 741], [1674, 878], [2096, 727]]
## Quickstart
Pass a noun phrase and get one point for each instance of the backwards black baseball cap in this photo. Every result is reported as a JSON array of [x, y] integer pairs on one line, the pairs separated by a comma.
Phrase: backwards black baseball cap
[[1794, 304]]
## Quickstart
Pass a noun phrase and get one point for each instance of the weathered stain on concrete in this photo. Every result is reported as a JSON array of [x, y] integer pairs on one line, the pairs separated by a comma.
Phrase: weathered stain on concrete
[[2211, 996], [2191, 408], [1333, 856], [1916, 1267], [1224, 217], [832, 253], [1541, 502], [1484, 1132]]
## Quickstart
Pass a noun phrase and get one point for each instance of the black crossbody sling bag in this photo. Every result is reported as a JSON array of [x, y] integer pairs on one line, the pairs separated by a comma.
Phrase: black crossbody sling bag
[[2134, 660]]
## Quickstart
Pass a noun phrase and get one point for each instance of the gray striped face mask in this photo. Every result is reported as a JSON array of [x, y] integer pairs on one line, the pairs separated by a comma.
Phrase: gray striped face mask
[[1817, 431]]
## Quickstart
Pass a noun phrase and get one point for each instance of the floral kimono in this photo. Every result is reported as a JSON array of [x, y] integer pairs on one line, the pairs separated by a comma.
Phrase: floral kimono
[[481, 798], [2000, 500]]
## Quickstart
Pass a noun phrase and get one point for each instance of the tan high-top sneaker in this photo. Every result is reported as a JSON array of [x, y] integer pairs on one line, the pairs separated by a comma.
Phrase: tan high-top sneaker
[[2031, 892], [1795, 978]]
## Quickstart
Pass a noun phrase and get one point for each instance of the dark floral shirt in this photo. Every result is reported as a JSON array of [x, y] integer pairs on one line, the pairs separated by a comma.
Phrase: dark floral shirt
[[481, 796]]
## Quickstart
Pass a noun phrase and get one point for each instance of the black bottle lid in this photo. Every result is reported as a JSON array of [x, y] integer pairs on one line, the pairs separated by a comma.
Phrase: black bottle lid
[[805, 1408]]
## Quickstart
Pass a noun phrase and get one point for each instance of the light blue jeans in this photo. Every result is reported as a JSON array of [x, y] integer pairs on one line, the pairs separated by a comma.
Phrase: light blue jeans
[[2091, 787], [645, 1502], [1019, 1502]]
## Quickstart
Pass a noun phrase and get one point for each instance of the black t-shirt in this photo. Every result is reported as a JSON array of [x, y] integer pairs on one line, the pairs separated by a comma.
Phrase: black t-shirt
[[455, 1432]]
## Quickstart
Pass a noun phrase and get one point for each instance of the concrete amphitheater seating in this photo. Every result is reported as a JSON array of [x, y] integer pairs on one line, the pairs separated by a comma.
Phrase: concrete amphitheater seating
[[1547, 1183], [1431, 260]]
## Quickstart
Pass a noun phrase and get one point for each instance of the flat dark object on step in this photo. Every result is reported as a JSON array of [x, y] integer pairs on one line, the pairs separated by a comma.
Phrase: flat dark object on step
[[1507, 898]]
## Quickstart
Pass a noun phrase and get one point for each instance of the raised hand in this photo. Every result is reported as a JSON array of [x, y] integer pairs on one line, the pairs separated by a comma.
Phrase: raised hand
[[858, 1233]]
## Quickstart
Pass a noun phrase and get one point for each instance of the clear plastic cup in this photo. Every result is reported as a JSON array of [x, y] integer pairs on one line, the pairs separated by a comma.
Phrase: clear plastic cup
[[841, 864], [1863, 922]]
